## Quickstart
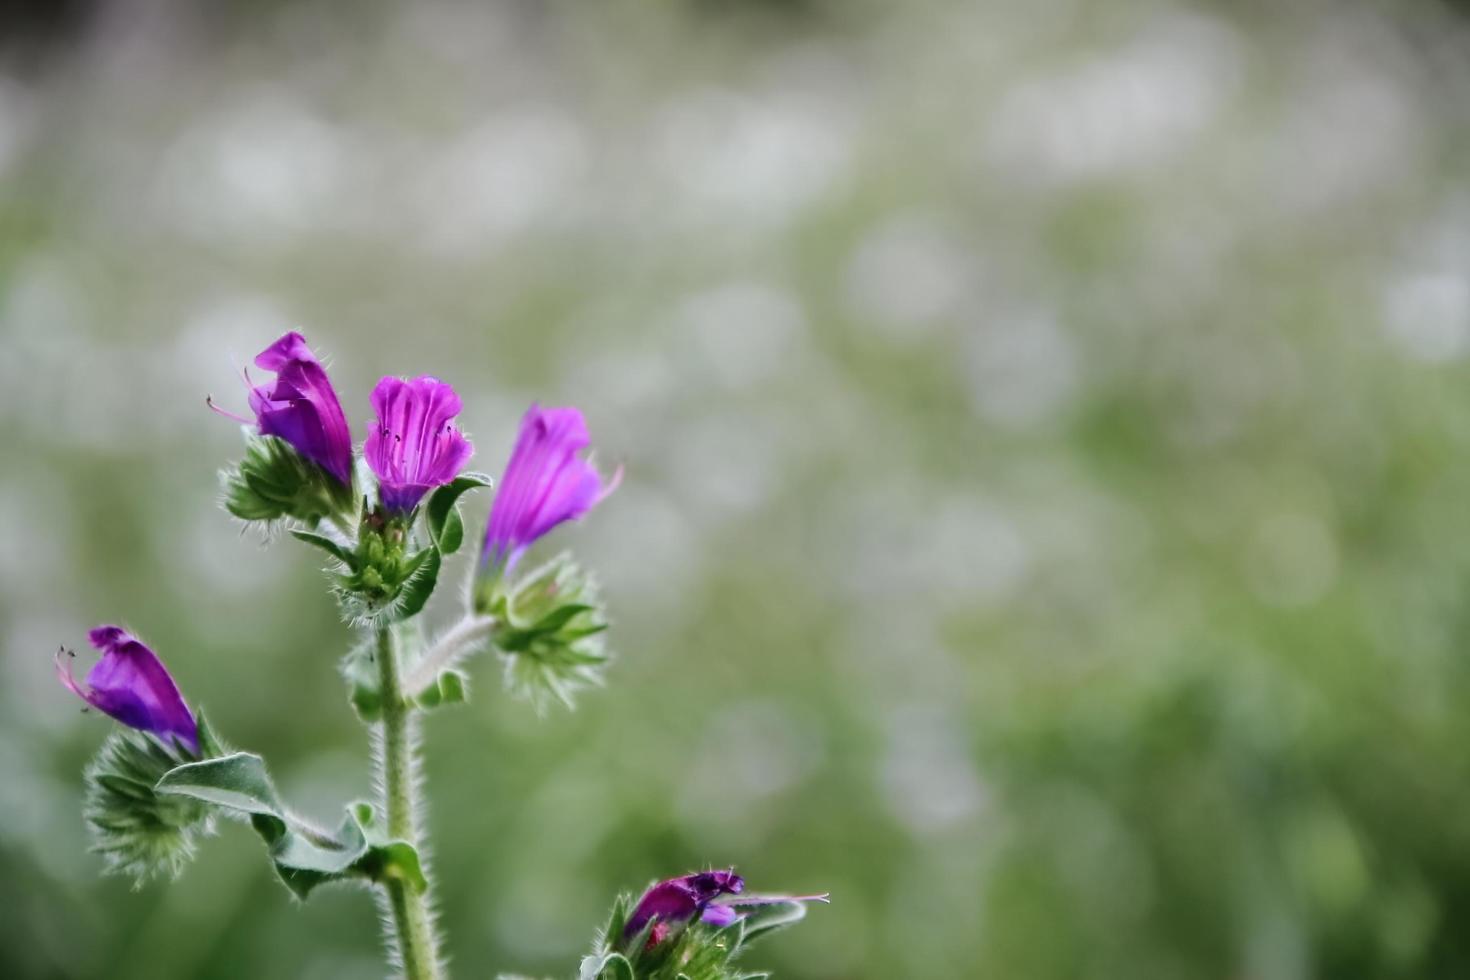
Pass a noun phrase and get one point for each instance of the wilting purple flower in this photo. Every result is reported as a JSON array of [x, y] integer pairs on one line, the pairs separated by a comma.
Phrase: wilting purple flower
[[413, 446], [545, 483], [130, 684], [300, 406], [705, 895]]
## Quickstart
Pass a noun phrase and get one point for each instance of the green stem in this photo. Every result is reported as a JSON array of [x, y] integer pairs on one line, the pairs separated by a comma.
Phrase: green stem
[[460, 638], [415, 931]]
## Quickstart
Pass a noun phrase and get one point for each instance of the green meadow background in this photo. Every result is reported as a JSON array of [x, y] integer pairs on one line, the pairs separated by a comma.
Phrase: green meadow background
[[1046, 521]]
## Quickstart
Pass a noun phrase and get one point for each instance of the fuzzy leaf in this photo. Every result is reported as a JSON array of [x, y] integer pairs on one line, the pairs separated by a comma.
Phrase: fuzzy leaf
[[387, 858], [336, 550], [770, 918], [606, 966], [304, 856], [210, 747], [237, 782], [446, 527], [396, 860], [450, 687], [360, 670], [617, 919], [304, 860], [419, 585]]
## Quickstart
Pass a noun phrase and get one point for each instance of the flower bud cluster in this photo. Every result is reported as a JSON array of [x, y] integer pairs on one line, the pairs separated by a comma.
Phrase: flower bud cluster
[[386, 516], [692, 927]]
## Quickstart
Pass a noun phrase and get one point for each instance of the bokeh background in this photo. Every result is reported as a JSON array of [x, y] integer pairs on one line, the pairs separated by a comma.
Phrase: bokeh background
[[1045, 523]]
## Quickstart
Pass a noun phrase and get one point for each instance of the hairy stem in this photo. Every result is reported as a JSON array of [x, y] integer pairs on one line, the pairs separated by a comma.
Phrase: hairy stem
[[446, 650], [415, 931]]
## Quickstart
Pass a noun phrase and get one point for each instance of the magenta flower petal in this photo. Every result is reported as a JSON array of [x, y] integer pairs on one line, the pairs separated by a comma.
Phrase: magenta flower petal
[[131, 684], [712, 897], [413, 446], [545, 483], [301, 407], [681, 900]]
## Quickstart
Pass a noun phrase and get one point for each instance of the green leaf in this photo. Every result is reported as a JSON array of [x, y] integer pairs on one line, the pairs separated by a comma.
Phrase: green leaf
[[615, 966], [304, 856], [337, 551], [769, 918], [236, 782], [419, 584], [450, 687], [210, 747], [561, 615], [396, 860], [451, 535], [617, 919], [306, 859], [446, 527], [386, 858], [360, 670], [605, 966]]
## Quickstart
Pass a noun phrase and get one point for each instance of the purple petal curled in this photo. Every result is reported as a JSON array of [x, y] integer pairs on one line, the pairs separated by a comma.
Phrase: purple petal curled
[[131, 684], [545, 483], [719, 916], [301, 407], [413, 446], [682, 899]]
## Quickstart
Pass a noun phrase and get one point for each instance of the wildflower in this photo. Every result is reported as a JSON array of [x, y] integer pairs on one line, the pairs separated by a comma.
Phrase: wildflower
[[414, 446], [705, 895], [545, 484], [131, 684], [301, 407]]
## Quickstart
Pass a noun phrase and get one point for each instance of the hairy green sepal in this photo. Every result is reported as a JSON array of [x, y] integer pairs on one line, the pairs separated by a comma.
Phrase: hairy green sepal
[[274, 481], [383, 581], [549, 627], [140, 833]]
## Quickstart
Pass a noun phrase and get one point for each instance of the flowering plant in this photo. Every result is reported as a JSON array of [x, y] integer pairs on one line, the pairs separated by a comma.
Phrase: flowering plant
[[385, 518]]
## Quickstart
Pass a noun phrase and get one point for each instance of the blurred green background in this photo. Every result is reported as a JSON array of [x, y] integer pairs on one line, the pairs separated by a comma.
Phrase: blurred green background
[[1045, 424]]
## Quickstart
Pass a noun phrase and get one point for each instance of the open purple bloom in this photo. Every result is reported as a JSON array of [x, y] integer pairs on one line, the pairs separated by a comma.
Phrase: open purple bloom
[[710, 896], [545, 483], [130, 684], [301, 407], [413, 446]]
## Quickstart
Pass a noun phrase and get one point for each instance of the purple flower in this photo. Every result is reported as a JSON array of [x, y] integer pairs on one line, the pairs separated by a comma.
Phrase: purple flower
[[545, 483], [684, 899], [130, 684], [705, 895], [300, 406], [414, 446]]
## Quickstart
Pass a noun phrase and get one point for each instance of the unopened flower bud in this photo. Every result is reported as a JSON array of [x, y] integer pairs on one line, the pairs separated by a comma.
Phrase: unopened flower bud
[[299, 464], [131, 684], [545, 484], [712, 897]]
